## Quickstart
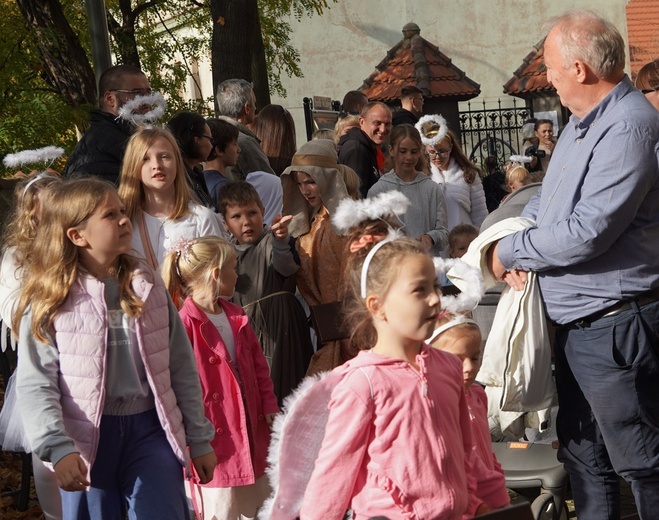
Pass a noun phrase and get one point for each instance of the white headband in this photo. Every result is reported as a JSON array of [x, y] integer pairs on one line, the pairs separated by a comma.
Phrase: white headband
[[36, 178], [393, 235], [460, 319]]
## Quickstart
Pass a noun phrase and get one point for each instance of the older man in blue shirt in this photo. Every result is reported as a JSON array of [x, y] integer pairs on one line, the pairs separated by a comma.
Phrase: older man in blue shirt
[[595, 248]]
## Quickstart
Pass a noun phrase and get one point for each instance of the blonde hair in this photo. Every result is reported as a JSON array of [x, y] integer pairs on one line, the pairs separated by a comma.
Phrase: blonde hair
[[517, 173], [131, 189], [351, 180], [446, 338], [188, 268], [382, 272], [52, 267], [23, 222], [349, 121]]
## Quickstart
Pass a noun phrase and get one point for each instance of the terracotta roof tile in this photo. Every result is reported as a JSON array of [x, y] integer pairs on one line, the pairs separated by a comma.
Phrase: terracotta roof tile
[[642, 32], [416, 61], [530, 79]]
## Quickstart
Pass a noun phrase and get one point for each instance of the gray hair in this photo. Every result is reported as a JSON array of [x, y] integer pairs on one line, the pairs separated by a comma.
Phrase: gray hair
[[232, 95], [588, 37]]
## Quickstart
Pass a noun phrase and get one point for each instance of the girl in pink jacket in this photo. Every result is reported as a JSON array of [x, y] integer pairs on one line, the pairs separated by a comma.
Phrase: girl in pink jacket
[[396, 439], [462, 337], [237, 391]]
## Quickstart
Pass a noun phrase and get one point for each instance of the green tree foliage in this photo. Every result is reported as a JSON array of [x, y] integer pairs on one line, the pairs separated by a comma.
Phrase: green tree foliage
[[281, 56], [32, 112], [145, 33]]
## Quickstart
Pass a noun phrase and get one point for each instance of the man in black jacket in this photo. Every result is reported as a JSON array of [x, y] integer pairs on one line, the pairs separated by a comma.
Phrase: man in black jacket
[[101, 150], [411, 100], [358, 147]]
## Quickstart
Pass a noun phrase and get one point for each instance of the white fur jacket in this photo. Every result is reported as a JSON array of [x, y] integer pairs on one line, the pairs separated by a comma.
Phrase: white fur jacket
[[465, 203]]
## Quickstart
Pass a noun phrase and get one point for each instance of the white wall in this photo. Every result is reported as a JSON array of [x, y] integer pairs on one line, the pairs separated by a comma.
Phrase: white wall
[[486, 38]]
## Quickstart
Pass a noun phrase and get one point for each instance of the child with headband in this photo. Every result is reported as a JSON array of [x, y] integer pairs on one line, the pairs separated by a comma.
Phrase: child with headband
[[237, 392], [388, 432], [107, 382], [461, 336]]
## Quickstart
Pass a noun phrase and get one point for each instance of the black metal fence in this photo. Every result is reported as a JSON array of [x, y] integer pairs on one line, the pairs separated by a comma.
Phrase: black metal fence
[[493, 130]]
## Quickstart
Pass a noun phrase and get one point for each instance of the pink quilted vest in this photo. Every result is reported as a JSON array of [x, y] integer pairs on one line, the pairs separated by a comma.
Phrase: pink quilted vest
[[81, 338]]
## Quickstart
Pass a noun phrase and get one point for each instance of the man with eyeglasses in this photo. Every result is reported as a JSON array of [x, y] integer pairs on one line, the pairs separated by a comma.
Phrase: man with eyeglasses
[[101, 150], [411, 100]]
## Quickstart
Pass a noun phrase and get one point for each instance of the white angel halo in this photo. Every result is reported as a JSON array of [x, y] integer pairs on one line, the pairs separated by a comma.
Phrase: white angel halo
[[468, 299], [45, 155], [350, 213], [130, 110], [521, 159], [437, 132]]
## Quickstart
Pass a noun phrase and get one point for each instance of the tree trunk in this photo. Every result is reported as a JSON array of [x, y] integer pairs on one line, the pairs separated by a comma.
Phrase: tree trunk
[[260, 68], [65, 63], [124, 35], [234, 22]]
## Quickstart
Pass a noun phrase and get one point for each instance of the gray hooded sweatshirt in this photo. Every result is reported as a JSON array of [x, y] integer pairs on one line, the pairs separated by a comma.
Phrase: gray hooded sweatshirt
[[427, 211]]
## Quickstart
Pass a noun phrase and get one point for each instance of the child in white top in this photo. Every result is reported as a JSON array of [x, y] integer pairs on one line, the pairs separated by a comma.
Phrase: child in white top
[[158, 200]]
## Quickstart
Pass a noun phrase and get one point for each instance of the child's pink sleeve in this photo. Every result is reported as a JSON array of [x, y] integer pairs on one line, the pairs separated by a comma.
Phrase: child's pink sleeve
[[471, 466], [262, 372], [339, 463], [491, 482]]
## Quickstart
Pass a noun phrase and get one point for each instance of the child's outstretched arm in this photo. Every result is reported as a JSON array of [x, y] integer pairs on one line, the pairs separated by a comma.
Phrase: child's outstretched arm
[[37, 388], [185, 382], [282, 256]]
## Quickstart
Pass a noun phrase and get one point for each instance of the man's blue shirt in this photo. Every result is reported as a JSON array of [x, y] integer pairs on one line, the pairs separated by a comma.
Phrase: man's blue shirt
[[597, 213]]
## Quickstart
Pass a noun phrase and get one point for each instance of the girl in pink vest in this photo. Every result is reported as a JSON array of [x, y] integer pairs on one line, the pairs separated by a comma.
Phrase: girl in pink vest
[[238, 394], [108, 386]]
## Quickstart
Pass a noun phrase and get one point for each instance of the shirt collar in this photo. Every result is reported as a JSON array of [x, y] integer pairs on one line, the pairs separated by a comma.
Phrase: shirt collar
[[582, 125]]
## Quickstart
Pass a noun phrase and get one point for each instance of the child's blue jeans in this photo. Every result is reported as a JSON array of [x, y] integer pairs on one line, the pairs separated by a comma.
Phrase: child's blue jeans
[[135, 470]]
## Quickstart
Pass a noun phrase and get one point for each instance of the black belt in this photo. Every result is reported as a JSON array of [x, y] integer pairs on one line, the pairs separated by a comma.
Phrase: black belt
[[623, 305]]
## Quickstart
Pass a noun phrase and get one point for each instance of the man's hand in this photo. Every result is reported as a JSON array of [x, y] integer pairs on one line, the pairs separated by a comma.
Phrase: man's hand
[[204, 465], [71, 472], [515, 278]]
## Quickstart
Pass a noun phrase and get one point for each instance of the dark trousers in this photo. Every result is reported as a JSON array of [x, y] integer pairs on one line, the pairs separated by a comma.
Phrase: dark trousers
[[607, 377], [135, 470]]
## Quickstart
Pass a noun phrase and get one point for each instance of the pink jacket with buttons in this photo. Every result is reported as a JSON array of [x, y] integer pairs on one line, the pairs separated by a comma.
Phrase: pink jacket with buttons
[[397, 442], [236, 405]]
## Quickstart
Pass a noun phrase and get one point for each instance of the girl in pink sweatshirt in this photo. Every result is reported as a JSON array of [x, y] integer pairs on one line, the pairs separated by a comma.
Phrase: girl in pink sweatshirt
[[396, 441], [462, 337]]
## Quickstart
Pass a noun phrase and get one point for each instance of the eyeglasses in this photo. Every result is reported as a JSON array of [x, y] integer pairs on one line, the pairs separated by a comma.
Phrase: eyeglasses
[[439, 153], [648, 90], [134, 92], [210, 139]]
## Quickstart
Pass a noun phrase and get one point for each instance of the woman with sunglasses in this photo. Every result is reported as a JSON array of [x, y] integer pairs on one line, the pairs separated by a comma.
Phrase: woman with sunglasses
[[195, 141], [647, 81], [461, 181]]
